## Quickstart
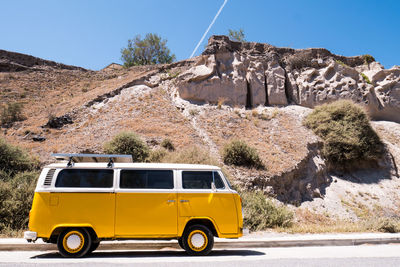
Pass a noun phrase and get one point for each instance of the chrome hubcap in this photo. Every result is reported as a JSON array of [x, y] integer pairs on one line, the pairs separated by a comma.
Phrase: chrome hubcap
[[198, 240]]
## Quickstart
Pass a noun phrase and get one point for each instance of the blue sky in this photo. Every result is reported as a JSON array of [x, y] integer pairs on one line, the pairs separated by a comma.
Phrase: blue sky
[[91, 33]]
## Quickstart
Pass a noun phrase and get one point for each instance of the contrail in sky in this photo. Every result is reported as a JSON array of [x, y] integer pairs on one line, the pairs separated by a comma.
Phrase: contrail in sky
[[209, 27]]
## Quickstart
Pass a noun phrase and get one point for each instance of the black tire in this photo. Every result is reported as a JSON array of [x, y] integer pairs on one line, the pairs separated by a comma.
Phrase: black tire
[[180, 242], [74, 242], [198, 240], [94, 246]]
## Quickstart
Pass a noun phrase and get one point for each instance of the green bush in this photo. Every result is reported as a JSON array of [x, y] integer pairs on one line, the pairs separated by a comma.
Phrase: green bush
[[157, 155], [15, 201], [365, 77], [368, 59], [167, 144], [193, 155], [240, 154], [11, 113], [128, 143], [4, 176], [13, 160], [150, 50], [261, 213], [347, 135], [388, 225]]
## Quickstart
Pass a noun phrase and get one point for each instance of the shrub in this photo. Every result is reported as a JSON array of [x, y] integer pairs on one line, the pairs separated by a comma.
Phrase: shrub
[[150, 50], [389, 226], [347, 135], [193, 112], [240, 154], [167, 144], [341, 63], [157, 155], [365, 77], [16, 199], [193, 155], [11, 113], [236, 35], [13, 159], [4, 176], [130, 144], [261, 213], [368, 59]]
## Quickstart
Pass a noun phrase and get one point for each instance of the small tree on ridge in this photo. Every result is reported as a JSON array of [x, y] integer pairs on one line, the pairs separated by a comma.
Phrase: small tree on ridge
[[150, 50]]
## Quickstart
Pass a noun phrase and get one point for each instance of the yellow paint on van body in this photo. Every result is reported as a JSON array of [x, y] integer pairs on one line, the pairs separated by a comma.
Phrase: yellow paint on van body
[[146, 215], [219, 207], [135, 214], [60, 209]]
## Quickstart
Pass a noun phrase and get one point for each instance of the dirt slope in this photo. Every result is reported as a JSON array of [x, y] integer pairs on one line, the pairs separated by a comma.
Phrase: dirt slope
[[146, 100]]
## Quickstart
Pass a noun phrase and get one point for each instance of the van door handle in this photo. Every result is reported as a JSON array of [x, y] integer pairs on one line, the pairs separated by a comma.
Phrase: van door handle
[[170, 201], [184, 200]]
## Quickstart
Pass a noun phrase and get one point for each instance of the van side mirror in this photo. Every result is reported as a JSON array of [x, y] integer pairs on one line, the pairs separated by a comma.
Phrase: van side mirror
[[214, 189]]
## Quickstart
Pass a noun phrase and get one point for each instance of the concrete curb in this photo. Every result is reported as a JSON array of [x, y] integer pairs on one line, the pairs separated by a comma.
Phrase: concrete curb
[[285, 241]]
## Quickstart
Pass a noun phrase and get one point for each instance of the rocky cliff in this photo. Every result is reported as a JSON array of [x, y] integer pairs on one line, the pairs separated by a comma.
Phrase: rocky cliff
[[12, 61], [251, 74]]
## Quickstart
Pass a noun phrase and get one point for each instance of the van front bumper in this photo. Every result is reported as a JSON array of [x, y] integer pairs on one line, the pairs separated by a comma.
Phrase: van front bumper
[[30, 236]]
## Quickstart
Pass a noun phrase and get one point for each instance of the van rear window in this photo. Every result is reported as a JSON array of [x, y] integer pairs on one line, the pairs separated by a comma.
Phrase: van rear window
[[154, 179], [201, 180], [85, 178]]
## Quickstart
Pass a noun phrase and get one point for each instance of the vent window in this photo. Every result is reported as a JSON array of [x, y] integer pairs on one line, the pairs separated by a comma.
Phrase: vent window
[[49, 177]]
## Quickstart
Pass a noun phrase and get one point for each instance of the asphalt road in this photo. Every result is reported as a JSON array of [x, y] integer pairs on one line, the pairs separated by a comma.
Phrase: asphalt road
[[365, 255]]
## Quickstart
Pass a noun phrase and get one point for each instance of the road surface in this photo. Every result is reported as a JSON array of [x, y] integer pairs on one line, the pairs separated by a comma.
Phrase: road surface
[[365, 255]]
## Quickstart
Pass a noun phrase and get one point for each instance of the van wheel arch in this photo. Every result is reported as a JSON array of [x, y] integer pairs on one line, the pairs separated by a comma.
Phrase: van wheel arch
[[57, 231], [206, 222]]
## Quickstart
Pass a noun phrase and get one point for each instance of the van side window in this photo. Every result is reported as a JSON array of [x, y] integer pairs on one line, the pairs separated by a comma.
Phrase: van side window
[[201, 180], [154, 179], [85, 178]]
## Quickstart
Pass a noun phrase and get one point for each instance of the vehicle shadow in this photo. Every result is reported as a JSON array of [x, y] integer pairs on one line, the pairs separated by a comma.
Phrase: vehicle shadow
[[151, 254]]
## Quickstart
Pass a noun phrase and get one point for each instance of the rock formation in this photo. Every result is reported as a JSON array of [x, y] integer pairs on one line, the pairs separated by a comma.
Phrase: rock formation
[[12, 61], [252, 74]]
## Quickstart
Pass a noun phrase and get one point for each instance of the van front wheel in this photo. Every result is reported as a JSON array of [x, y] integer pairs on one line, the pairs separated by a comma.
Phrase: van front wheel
[[198, 240], [74, 242]]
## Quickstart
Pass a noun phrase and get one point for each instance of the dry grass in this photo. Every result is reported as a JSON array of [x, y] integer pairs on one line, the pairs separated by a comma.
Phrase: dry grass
[[10, 233], [314, 223], [277, 148], [152, 115]]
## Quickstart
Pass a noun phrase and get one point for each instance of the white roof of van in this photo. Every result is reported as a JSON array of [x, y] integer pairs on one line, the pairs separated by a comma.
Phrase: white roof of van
[[137, 165]]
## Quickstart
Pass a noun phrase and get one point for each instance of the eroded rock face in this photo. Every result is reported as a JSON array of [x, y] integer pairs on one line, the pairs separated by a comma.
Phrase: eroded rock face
[[336, 81], [307, 179], [252, 74], [12, 61], [387, 91]]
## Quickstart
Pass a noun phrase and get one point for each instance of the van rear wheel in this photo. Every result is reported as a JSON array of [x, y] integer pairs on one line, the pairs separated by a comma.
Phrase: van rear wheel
[[74, 242], [198, 240]]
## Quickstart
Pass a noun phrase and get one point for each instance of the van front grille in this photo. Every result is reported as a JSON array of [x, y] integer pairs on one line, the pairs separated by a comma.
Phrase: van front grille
[[49, 177]]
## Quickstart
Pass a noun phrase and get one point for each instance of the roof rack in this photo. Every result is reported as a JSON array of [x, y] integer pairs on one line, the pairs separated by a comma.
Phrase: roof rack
[[75, 158]]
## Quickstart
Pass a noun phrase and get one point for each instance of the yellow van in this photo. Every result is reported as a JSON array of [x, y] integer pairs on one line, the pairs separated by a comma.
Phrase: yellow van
[[90, 198]]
